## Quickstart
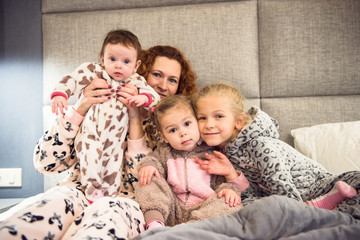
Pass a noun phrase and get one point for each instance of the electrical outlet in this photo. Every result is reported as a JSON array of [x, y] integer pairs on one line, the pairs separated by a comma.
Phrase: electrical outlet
[[10, 177]]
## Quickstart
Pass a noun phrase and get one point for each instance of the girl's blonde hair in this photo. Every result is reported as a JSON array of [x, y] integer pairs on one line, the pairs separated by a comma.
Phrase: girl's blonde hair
[[175, 101], [234, 97]]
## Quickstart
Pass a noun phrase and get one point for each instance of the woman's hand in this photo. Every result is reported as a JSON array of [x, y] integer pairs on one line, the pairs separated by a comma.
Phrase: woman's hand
[[218, 164], [231, 197], [146, 173], [98, 91]]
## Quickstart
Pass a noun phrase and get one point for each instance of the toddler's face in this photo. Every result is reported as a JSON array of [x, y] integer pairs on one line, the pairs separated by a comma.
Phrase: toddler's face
[[217, 123], [180, 129], [120, 61]]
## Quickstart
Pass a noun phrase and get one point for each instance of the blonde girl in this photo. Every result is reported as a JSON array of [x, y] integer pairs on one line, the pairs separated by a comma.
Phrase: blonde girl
[[250, 142], [181, 191]]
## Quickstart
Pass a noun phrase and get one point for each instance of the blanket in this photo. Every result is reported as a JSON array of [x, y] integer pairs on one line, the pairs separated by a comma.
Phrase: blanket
[[274, 217]]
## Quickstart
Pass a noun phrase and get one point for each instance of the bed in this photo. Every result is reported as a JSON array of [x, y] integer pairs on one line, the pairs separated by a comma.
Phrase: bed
[[298, 60], [274, 217]]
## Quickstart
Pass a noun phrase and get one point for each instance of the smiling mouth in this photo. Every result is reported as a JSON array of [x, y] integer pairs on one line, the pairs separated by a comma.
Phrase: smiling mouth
[[210, 134]]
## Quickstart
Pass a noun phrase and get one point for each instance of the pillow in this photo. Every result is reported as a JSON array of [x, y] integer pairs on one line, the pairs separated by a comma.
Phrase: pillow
[[336, 146]]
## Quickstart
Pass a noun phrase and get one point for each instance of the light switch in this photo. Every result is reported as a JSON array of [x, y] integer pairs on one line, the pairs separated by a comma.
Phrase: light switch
[[10, 177]]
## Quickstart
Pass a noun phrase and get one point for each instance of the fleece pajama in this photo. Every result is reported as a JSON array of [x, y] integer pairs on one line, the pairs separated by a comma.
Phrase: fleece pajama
[[185, 192], [280, 169], [100, 141]]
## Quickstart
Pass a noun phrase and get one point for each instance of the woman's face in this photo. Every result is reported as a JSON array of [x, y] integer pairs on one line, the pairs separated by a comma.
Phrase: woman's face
[[164, 76]]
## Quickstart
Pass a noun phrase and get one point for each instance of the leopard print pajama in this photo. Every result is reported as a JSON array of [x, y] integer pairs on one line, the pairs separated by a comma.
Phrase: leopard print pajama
[[280, 169]]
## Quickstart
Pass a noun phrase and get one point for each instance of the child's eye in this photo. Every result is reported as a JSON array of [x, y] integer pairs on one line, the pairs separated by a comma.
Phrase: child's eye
[[219, 116], [172, 130], [126, 61], [187, 123], [201, 118], [112, 59]]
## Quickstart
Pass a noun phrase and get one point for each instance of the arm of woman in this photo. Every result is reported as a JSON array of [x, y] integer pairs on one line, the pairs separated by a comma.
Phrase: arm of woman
[[137, 147], [136, 130], [55, 150]]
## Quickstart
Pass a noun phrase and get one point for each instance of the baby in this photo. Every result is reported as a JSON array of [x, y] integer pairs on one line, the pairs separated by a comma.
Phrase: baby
[[100, 141]]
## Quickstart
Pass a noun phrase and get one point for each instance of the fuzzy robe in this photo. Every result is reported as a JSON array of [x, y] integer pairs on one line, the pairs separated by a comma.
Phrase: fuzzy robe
[[184, 192]]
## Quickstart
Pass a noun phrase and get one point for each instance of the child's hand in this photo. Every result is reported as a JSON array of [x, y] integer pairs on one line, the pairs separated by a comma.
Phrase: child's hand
[[146, 173], [138, 100], [125, 92], [231, 197], [58, 103], [218, 164]]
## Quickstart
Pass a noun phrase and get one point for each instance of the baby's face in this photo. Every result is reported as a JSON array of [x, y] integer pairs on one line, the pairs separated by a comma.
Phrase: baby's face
[[120, 61]]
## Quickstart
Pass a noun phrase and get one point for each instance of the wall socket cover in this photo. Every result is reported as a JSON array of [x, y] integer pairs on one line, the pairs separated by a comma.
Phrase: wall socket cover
[[10, 177]]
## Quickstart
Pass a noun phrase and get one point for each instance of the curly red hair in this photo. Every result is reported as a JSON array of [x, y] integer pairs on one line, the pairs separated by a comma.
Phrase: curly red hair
[[187, 84]]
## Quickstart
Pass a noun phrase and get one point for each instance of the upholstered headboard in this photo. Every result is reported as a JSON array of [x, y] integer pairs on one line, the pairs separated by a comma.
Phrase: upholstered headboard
[[299, 60]]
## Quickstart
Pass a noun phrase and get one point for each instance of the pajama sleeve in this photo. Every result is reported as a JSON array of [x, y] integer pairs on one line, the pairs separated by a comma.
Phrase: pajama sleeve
[[272, 162], [241, 182], [76, 81], [145, 89], [136, 151], [55, 152]]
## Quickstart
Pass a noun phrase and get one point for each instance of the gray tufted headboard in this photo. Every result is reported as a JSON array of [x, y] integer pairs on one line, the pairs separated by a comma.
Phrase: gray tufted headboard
[[299, 60]]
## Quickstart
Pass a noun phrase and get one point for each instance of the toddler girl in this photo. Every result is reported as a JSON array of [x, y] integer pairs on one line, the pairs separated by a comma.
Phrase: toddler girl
[[250, 141], [181, 191]]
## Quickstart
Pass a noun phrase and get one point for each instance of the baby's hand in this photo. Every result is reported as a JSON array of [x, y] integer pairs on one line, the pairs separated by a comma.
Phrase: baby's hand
[[58, 103], [138, 100], [231, 197], [146, 173]]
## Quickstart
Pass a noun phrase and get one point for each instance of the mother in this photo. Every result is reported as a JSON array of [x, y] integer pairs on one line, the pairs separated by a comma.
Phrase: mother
[[63, 212]]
